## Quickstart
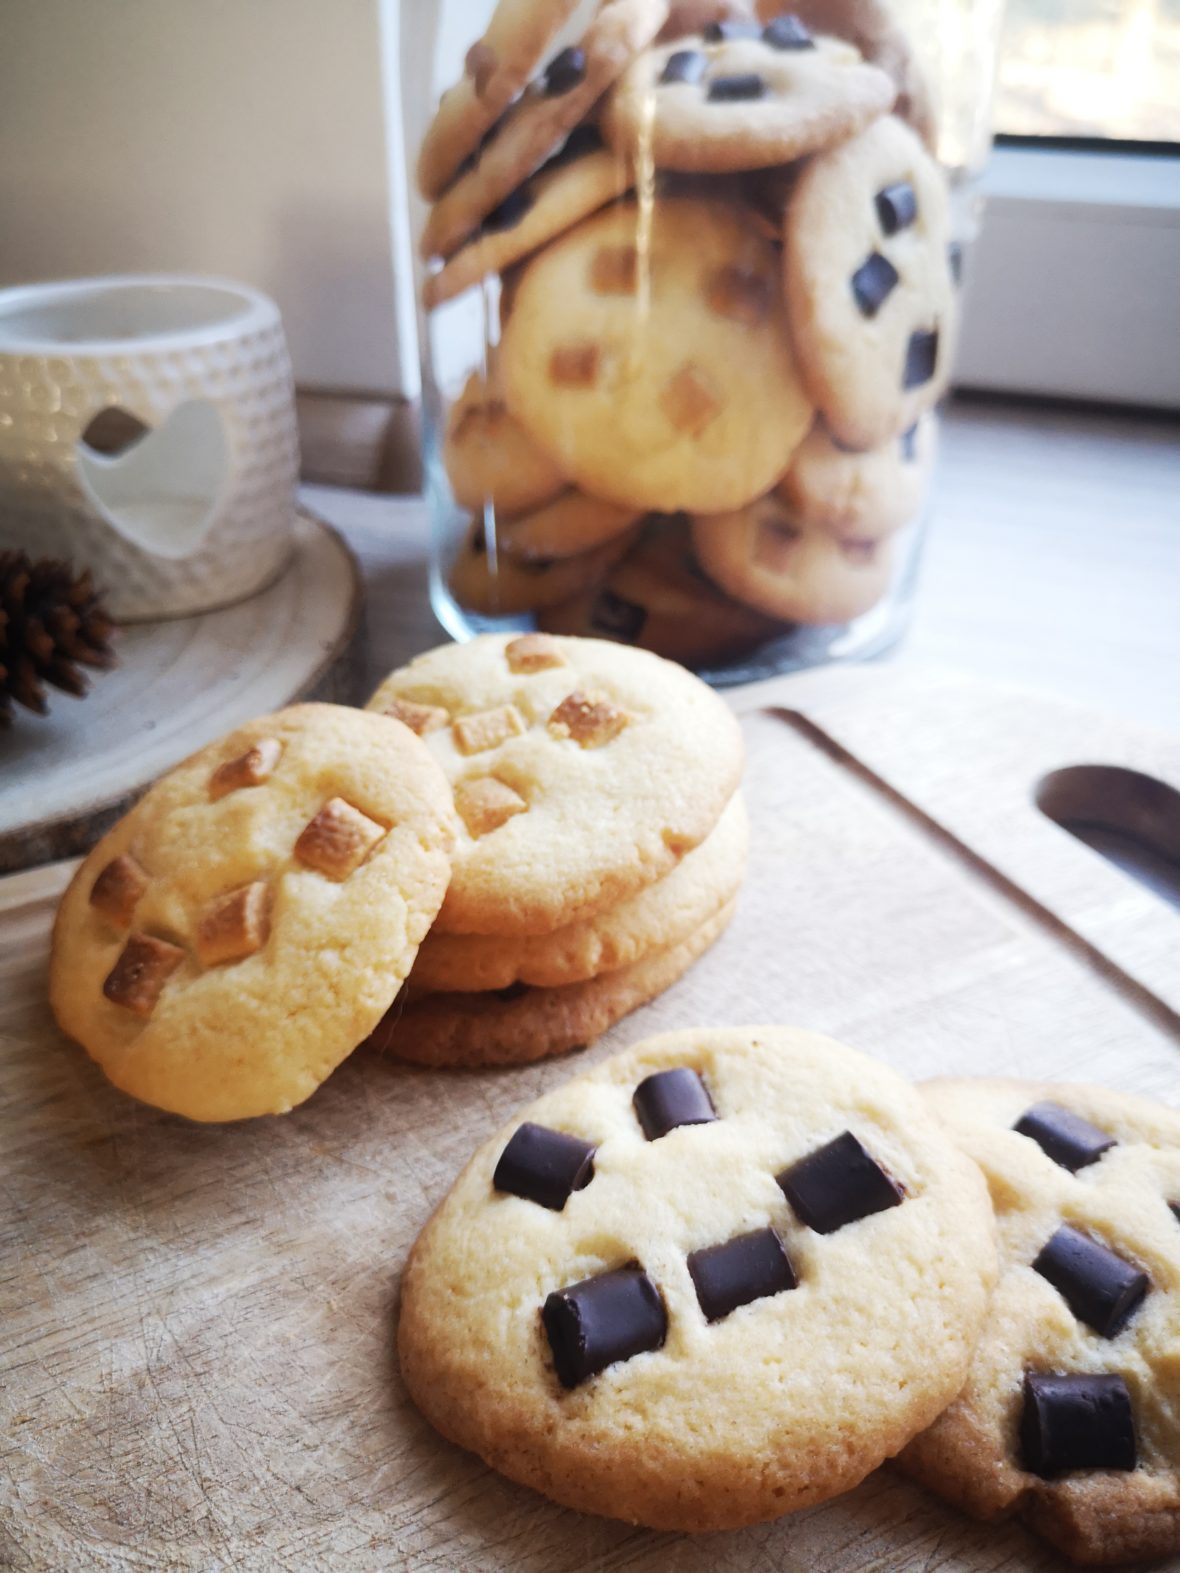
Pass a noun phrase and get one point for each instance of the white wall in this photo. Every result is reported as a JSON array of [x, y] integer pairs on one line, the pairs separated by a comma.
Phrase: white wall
[[241, 137]]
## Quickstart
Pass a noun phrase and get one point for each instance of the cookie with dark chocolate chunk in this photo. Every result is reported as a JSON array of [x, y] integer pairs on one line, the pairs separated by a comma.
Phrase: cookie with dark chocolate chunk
[[772, 1276], [1070, 1417]]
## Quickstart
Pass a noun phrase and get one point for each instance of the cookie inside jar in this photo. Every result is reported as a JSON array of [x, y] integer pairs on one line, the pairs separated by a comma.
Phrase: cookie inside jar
[[688, 278]]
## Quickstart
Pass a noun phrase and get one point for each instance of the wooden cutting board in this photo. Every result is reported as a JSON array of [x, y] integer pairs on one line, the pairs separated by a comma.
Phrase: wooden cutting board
[[197, 1360]]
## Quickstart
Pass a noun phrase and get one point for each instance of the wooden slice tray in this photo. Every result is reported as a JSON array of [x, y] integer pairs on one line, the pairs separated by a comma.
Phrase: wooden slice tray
[[178, 684], [198, 1365]]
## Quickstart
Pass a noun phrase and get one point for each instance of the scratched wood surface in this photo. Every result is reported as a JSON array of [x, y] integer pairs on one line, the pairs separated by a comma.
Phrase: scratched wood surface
[[197, 1362]]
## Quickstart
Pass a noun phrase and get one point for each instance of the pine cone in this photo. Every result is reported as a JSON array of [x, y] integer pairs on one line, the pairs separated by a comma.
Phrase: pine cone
[[51, 623]]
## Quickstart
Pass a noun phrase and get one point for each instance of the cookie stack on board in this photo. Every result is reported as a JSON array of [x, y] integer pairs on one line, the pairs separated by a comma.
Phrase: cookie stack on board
[[727, 1273], [726, 310], [558, 819], [600, 847]]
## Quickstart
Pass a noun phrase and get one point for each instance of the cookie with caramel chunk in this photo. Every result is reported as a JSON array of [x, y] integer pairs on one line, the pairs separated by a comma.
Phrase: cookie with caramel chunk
[[239, 932], [647, 355], [583, 771]]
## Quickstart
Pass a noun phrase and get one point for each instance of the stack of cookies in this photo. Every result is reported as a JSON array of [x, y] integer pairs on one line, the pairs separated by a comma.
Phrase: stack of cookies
[[725, 1274], [600, 847], [564, 813], [726, 308]]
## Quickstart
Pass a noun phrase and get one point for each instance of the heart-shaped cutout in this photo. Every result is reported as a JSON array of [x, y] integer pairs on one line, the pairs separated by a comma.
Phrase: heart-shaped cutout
[[162, 492]]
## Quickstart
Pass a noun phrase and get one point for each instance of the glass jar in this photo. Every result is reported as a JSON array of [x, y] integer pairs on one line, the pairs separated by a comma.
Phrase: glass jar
[[689, 277]]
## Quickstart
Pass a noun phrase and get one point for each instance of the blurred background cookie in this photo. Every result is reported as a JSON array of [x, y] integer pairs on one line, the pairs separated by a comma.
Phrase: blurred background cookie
[[765, 556], [866, 493], [647, 354], [870, 294]]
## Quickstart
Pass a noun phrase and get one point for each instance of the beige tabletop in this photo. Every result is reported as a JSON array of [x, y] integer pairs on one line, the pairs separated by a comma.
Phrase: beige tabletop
[[1053, 559]]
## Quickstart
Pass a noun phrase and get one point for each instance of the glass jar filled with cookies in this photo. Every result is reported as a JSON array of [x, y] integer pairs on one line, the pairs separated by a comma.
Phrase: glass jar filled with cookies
[[689, 276]]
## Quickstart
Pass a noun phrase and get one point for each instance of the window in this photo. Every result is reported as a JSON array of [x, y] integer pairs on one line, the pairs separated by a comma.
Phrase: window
[[1091, 68]]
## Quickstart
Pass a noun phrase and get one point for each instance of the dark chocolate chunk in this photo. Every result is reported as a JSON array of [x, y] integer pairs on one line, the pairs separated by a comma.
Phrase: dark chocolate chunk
[[1075, 1422], [748, 1267], [873, 283], [513, 208], [1064, 1136], [686, 65], [611, 1317], [726, 32], [837, 1184], [565, 71], [954, 261], [544, 1166], [1100, 1288], [735, 89], [581, 140], [921, 357], [787, 32], [619, 618], [672, 1098], [909, 444], [897, 207]]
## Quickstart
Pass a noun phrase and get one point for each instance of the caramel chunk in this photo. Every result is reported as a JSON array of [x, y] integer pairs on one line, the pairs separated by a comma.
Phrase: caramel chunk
[[740, 295], [775, 546], [419, 718], [615, 271], [574, 365], [118, 888], [235, 926], [487, 729], [252, 768], [338, 840], [689, 401], [486, 804], [138, 977], [589, 722], [533, 653]]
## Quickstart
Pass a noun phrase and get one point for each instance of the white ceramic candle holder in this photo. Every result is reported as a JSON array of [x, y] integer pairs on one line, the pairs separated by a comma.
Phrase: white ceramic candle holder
[[197, 512]]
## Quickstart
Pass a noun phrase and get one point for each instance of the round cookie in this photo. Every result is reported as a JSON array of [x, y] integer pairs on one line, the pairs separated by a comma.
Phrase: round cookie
[[237, 934], [868, 283], [876, 30], [582, 772], [497, 67], [742, 1354], [735, 102], [656, 918], [763, 555], [572, 523], [524, 1025], [658, 598], [519, 584], [647, 354], [1099, 1475], [851, 493], [490, 458], [545, 206], [544, 114]]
